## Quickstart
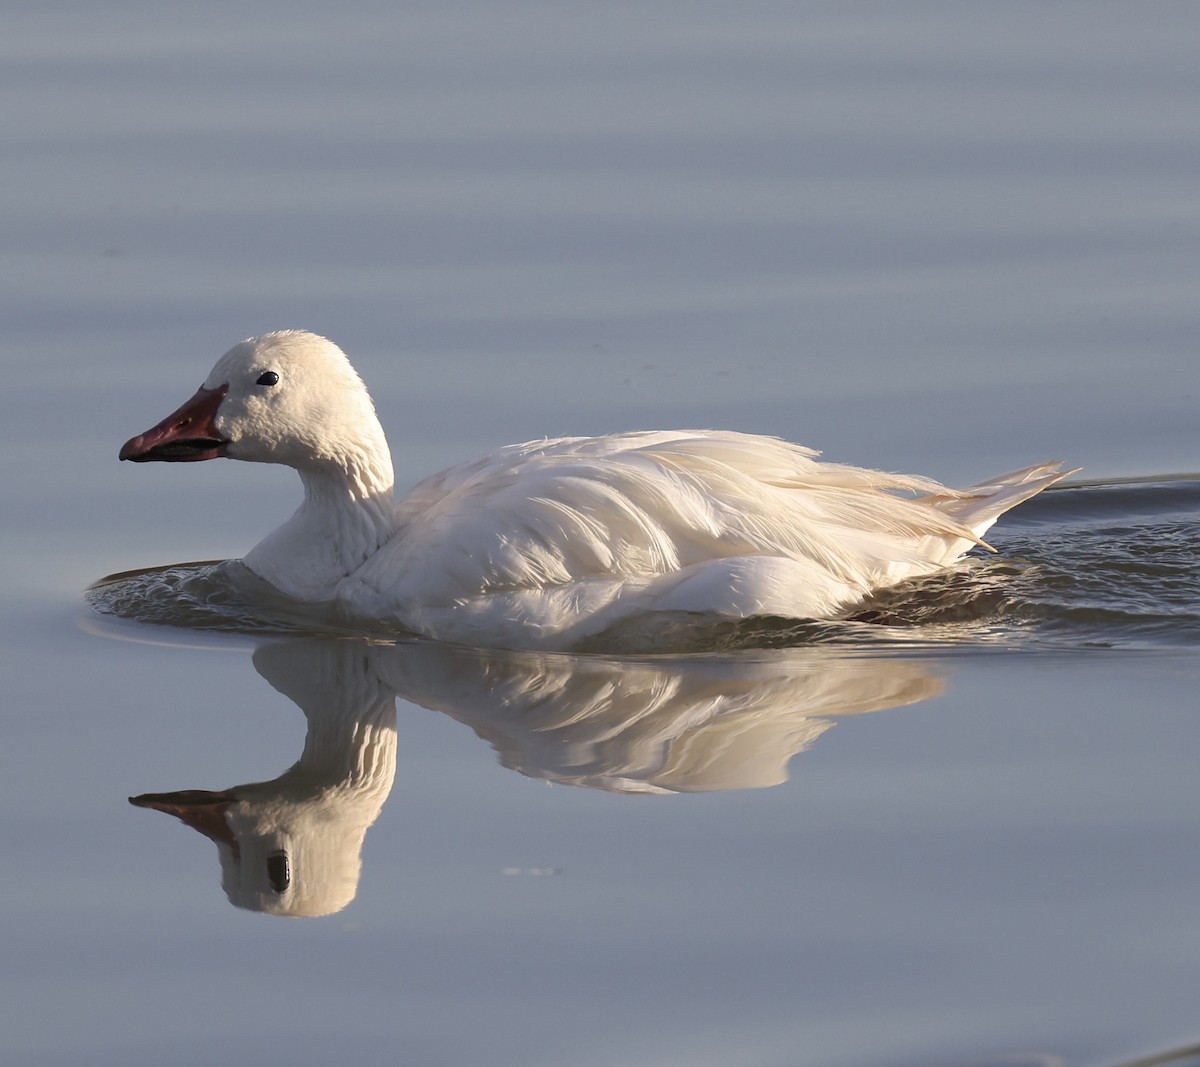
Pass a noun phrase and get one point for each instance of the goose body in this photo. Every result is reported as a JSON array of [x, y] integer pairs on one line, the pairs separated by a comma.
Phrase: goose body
[[549, 543]]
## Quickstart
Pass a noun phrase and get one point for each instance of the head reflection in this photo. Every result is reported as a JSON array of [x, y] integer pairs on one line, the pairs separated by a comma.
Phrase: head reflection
[[292, 845]]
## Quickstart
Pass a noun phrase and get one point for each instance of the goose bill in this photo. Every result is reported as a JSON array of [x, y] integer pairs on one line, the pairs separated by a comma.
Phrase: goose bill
[[201, 809], [187, 435]]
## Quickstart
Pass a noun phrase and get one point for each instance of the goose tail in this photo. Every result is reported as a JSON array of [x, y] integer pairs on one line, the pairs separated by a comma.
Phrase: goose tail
[[981, 505]]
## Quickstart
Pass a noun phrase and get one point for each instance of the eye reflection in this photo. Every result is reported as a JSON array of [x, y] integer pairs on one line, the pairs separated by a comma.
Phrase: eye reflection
[[279, 871]]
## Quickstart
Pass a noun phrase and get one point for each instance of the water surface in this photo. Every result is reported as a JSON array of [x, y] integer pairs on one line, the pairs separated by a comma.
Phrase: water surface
[[951, 239]]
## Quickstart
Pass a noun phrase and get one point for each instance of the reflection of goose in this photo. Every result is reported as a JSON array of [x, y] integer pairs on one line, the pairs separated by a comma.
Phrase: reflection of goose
[[694, 724], [292, 845], [547, 544]]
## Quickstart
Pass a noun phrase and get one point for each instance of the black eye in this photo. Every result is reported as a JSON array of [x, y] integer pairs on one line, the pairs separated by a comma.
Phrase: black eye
[[268, 377], [279, 871]]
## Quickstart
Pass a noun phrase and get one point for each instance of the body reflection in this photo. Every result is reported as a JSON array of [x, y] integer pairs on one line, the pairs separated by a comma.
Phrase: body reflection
[[292, 845], [685, 725]]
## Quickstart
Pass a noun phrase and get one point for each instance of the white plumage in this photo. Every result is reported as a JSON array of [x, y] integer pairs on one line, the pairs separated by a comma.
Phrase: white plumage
[[549, 543]]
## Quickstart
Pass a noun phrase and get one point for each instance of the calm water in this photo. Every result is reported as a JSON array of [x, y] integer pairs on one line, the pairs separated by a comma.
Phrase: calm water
[[945, 238]]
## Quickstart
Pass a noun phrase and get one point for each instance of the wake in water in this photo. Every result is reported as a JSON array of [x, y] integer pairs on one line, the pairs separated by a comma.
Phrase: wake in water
[[1106, 565]]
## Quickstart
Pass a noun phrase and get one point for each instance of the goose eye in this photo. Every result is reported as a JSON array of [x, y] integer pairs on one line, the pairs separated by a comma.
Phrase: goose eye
[[268, 377], [279, 871]]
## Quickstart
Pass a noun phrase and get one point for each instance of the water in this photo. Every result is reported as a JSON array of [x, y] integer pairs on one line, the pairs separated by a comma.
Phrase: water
[[947, 239]]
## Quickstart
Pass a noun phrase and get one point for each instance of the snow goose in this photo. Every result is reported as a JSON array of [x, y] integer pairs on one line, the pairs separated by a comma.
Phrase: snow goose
[[547, 544]]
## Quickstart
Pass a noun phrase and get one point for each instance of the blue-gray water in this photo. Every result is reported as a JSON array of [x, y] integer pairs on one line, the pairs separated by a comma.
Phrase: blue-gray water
[[950, 239]]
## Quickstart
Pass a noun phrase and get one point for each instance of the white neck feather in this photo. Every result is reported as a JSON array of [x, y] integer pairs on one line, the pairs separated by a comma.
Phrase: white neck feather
[[346, 515]]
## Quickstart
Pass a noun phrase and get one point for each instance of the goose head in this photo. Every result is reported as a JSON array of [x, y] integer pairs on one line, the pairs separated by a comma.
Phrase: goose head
[[288, 397]]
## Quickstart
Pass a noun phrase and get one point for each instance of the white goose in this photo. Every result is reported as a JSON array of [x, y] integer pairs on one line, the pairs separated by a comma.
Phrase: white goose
[[547, 544]]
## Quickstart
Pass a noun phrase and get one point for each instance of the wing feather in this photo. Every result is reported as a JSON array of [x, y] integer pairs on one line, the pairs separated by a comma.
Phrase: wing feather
[[639, 505]]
